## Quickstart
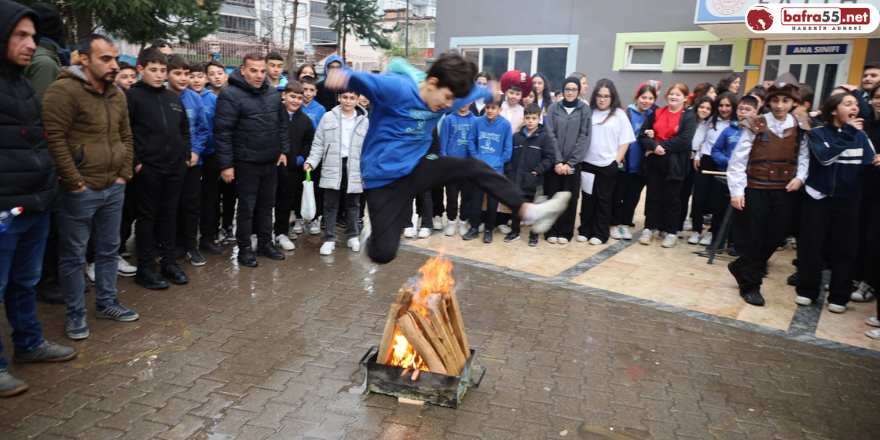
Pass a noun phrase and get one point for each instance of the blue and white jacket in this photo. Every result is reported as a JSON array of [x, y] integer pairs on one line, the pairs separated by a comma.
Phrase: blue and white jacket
[[837, 156], [209, 102], [314, 111], [491, 142], [725, 144], [454, 132], [195, 112]]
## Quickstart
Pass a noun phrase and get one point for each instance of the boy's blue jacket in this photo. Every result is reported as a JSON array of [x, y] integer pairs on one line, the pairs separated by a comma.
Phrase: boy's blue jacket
[[837, 156], [454, 131], [209, 101], [400, 125], [491, 142], [725, 144], [314, 111], [195, 112]]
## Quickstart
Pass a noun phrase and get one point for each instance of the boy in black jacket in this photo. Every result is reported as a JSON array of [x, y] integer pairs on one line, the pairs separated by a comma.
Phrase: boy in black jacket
[[301, 132], [534, 153], [161, 150]]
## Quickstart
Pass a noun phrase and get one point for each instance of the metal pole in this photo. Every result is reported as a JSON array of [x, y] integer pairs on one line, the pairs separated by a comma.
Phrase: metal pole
[[406, 50]]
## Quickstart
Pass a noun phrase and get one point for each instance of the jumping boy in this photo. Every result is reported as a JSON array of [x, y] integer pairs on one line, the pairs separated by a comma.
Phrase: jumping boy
[[393, 162], [766, 176]]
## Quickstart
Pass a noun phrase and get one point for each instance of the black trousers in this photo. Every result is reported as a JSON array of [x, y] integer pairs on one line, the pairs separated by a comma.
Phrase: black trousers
[[490, 215], [391, 204], [835, 218], [129, 214], [255, 185], [424, 210], [229, 198], [705, 194], [285, 195], [596, 207], [760, 227], [687, 189], [554, 183], [627, 193], [437, 201], [208, 220], [332, 199], [453, 190], [189, 208], [158, 195], [869, 210], [663, 204]]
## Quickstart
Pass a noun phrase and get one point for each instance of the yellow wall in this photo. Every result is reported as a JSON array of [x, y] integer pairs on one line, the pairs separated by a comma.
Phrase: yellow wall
[[860, 51], [756, 55]]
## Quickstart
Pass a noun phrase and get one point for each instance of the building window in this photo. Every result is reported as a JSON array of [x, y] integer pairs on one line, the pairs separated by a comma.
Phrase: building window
[[301, 10], [550, 61], [644, 57], [266, 5], [705, 56], [322, 35], [245, 3], [238, 25], [319, 8]]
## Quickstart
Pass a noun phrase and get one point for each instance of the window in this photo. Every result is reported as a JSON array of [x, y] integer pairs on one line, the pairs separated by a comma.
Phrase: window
[[551, 61], [266, 5], [319, 8], [245, 3], [645, 57], [322, 35], [301, 35], [301, 10], [705, 56], [238, 25]]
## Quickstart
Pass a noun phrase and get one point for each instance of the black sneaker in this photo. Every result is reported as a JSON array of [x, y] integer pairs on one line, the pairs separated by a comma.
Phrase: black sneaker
[[533, 240], [173, 273], [472, 233], [487, 236], [210, 247], [195, 258], [150, 279], [732, 252], [792, 279], [45, 352], [246, 257], [269, 250], [734, 270], [9, 385], [753, 297], [512, 236]]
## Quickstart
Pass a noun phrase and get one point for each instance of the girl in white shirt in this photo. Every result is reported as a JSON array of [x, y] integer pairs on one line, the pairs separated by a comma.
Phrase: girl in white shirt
[[609, 140]]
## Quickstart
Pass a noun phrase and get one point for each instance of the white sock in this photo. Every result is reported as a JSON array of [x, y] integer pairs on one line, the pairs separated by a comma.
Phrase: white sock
[[532, 213]]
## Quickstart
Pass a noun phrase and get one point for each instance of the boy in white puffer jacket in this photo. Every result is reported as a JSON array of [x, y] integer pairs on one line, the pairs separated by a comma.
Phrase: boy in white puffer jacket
[[338, 141]]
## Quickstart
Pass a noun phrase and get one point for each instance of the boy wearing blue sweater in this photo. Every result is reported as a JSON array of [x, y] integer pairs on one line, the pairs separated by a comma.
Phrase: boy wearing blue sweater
[[394, 166], [489, 140], [208, 221], [454, 131]]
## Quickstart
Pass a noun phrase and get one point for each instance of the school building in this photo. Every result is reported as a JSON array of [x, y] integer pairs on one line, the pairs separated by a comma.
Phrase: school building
[[689, 41]]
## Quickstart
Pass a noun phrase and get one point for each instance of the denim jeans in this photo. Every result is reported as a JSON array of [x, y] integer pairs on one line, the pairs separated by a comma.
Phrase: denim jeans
[[21, 261], [95, 214]]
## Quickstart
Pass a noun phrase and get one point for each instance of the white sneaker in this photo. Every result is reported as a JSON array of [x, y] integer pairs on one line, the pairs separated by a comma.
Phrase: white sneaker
[[645, 237], [504, 229], [298, 226], [595, 241], [463, 228], [90, 272], [125, 269], [437, 223], [624, 232], [482, 228], [688, 226], [315, 227], [284, 242], [695, 238], [129, 245], [836, 308], [451, 227], [670, 241], [424, 233], [292, 235], [615, 233], [803, 300], [552, 240], [354, 244], [254, 242], [707, 239], [561, 240], [873, 334], [873, 321], [863, 293], [581, 238], [549, 211], [409, 232], [327, 248]]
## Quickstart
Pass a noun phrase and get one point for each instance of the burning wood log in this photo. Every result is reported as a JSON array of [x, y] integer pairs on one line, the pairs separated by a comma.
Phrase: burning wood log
[[404, 299], [452, 348], [412, 334], [457, 323], [434, 337]]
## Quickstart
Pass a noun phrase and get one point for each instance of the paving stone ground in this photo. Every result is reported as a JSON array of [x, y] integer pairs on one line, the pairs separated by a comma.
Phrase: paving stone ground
[[271, 352]]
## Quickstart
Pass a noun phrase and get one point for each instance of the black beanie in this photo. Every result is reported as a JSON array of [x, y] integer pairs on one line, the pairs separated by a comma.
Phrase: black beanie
[[52, 24], [575, 81]]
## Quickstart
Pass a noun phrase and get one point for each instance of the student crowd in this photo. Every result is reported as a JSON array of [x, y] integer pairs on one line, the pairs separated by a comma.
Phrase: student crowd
[[191, 158]]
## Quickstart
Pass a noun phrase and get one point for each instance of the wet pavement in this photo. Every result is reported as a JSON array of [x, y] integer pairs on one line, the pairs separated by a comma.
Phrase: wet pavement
[[272, 352]]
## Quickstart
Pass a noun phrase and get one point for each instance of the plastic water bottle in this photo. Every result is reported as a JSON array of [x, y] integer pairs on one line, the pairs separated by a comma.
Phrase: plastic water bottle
[[6, 217]]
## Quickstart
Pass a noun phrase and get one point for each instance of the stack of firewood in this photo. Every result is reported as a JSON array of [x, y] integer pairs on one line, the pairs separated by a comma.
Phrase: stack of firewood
[[433, 327]]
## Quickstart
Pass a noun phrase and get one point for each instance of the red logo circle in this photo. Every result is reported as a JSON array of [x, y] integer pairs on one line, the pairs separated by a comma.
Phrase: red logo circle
[[759, 19]]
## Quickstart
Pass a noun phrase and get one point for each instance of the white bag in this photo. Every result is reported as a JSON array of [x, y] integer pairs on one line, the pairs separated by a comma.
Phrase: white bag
[[308, 208]]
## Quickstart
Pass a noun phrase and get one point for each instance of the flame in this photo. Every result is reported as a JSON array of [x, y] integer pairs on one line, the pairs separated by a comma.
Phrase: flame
[[434, 284]]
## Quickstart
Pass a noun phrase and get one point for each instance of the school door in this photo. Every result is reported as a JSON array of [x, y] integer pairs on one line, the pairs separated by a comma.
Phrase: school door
[[821, 64]]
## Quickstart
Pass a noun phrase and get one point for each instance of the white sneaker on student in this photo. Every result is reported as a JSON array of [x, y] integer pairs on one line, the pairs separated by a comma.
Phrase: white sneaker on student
[[549, 211], [437, 223], [298, 226], [552, 240], [645, 237], [327, 248], [695, 238], [354, 244], [315, 227], [624, 232], [581, 239], [424, 233], [285, 243], [707, 239], [451, 227], [561, 240], [595, 241], [90, 272], [863, 293], [836, 308], [124, 269], [409, 232], [463, 228], [504, 229], [482, 228], [254, 241], [873, 333], [615, 233], [670, 241], [873, 321], [688, 226], [803, 300]]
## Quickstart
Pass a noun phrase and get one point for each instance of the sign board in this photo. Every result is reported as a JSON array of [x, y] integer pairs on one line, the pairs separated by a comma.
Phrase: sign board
[[734, 11], [815, 49], [751, 67]]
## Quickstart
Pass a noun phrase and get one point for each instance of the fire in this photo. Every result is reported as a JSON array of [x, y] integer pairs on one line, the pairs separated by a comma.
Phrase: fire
[[433, 285]]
